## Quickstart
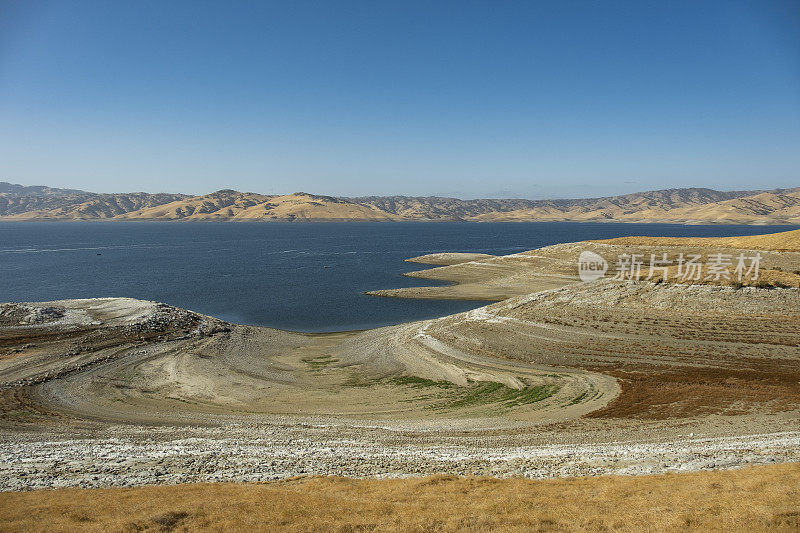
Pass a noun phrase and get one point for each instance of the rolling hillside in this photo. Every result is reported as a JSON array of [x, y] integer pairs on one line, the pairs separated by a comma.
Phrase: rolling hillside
[[233, 205], [695, 205]]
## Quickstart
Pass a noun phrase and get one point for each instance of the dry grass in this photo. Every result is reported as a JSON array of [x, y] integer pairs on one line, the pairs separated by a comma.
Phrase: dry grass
[[757, 498], [785, 241], [767, 279]]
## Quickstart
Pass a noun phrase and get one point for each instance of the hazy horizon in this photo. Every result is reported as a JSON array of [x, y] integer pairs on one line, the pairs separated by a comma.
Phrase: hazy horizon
[[480, 100]]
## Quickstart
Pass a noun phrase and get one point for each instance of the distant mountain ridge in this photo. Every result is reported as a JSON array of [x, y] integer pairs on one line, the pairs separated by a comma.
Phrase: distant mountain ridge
[[12, 189], [690, 205]]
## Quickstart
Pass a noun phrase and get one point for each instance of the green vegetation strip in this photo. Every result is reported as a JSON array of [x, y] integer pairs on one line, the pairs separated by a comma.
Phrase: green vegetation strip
[[318, 363], [479, 393], [418, 383]]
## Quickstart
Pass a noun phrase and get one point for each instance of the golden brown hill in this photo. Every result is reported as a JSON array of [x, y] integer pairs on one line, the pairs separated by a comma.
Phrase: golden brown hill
[[303, 206], [220, 205], [671, 205], [234, 205], [761, 208], [79, 206], [786, 241]]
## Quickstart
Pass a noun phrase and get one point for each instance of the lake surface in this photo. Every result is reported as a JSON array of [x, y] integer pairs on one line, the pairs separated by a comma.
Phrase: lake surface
[[298, 276]]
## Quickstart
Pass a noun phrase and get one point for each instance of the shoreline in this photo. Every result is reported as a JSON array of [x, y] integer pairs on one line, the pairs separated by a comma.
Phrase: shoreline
[[541, 383]]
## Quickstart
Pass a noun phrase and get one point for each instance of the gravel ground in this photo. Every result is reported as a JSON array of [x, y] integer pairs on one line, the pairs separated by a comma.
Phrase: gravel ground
[[167, 455]]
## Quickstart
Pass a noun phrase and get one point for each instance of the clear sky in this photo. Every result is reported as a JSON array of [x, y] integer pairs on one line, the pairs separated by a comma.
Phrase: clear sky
[[472, 99]]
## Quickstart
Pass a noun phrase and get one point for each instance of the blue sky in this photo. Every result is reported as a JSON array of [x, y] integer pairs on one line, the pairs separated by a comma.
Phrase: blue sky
[[468, 99]]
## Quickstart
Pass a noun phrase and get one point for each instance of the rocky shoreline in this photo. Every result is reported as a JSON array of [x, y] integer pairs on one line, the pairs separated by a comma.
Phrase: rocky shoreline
[[169, 455]]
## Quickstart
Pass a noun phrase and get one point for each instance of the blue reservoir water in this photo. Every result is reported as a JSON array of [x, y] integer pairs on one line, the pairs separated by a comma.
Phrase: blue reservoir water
[[298, 276]]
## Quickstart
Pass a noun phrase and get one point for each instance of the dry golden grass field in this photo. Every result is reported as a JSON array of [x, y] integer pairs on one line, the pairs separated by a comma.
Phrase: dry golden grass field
[[785, 241], [756, 498]]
